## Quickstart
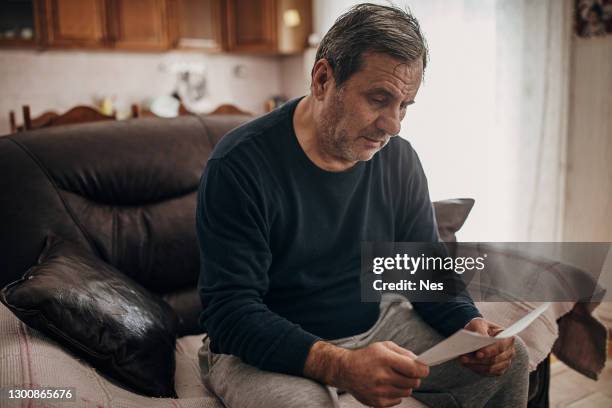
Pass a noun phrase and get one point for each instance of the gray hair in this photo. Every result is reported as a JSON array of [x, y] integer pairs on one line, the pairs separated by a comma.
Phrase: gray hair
[[371, 28]]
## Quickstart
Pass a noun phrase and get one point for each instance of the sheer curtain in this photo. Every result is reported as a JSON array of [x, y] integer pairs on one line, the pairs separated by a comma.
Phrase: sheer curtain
[[534, 44], [490, 121]]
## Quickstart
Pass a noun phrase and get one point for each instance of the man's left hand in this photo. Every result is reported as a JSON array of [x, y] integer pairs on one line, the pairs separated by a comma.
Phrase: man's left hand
[[494, 359]]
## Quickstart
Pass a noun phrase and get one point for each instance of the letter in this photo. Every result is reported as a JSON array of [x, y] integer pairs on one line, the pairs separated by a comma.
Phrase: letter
[[480, 262], [389, 263], [377, 266], [398, 260], [436, 261], [415, 264], [405, 259], [424, 285], [459, 262], [374, 284]]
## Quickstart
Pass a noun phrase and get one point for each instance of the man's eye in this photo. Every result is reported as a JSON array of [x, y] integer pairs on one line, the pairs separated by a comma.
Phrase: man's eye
[[377, 100]]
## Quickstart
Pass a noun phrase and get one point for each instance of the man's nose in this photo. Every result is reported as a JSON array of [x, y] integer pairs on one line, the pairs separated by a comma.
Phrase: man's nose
[[390, 122]]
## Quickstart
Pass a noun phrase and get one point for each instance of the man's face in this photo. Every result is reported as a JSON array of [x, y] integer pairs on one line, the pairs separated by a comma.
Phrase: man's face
[[360, 117]]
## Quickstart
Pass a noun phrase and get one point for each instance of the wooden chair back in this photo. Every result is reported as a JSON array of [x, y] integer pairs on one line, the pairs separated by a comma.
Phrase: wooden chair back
[[78, 114], [12, 121]]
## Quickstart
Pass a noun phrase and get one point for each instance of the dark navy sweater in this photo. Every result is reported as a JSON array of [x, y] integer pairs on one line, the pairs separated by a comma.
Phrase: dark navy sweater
[[280, 242]]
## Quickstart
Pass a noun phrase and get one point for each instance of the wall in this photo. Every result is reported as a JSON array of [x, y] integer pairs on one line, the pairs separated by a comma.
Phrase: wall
[[295, 75], [62, 79], [588, 210]]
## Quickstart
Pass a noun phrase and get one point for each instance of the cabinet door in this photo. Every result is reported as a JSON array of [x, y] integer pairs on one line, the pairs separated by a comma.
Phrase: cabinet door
[[201, 24], [140, 24], [21, 23], [76, 23], [251, 25]]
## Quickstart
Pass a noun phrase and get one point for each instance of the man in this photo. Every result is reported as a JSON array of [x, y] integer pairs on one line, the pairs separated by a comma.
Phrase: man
[[284, 204]]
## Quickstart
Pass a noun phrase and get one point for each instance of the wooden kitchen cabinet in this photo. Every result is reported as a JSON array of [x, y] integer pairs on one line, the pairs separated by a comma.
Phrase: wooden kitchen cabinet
[[76, 23], [251, 25], [245, 26], [121, 24], [141, 24], [200, 24], [21, 24], [268, 26]]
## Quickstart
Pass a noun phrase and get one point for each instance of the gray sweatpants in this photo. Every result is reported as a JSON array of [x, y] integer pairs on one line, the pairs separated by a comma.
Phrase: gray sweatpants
[[240, 385]]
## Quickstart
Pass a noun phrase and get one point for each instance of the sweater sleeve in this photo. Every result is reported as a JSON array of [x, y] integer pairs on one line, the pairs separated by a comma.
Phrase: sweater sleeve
[[235, 257], [419, 225]]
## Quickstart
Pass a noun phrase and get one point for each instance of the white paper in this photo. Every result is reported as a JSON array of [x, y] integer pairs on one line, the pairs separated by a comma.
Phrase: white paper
[[464, 341]]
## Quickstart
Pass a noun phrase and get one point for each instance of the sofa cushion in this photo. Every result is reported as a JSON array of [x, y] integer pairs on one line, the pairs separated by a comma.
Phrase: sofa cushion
[[29, 359], [100, 314]]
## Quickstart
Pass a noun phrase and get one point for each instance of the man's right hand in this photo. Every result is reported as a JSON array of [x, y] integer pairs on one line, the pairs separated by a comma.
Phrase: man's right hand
[[378, 375]]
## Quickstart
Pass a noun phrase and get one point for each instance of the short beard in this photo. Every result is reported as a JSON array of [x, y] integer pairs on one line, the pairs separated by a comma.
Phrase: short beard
[[332, 142]]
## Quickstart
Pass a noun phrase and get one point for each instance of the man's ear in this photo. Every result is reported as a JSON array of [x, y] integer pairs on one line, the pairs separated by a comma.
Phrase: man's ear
[[322, 78]]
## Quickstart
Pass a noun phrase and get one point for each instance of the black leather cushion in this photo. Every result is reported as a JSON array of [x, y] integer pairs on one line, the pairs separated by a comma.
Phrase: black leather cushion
[[125, 189], [450, 216], [99, 313]]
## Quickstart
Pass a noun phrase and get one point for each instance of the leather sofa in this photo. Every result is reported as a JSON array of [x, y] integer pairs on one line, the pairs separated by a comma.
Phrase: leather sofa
[[126, 190]]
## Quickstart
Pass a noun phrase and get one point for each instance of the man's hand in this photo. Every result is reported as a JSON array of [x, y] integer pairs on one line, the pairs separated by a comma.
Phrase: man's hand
[[491, 360], [378, 375]]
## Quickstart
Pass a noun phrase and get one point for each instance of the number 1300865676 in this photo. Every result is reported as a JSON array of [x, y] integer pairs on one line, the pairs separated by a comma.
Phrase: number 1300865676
[[43, 393]]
